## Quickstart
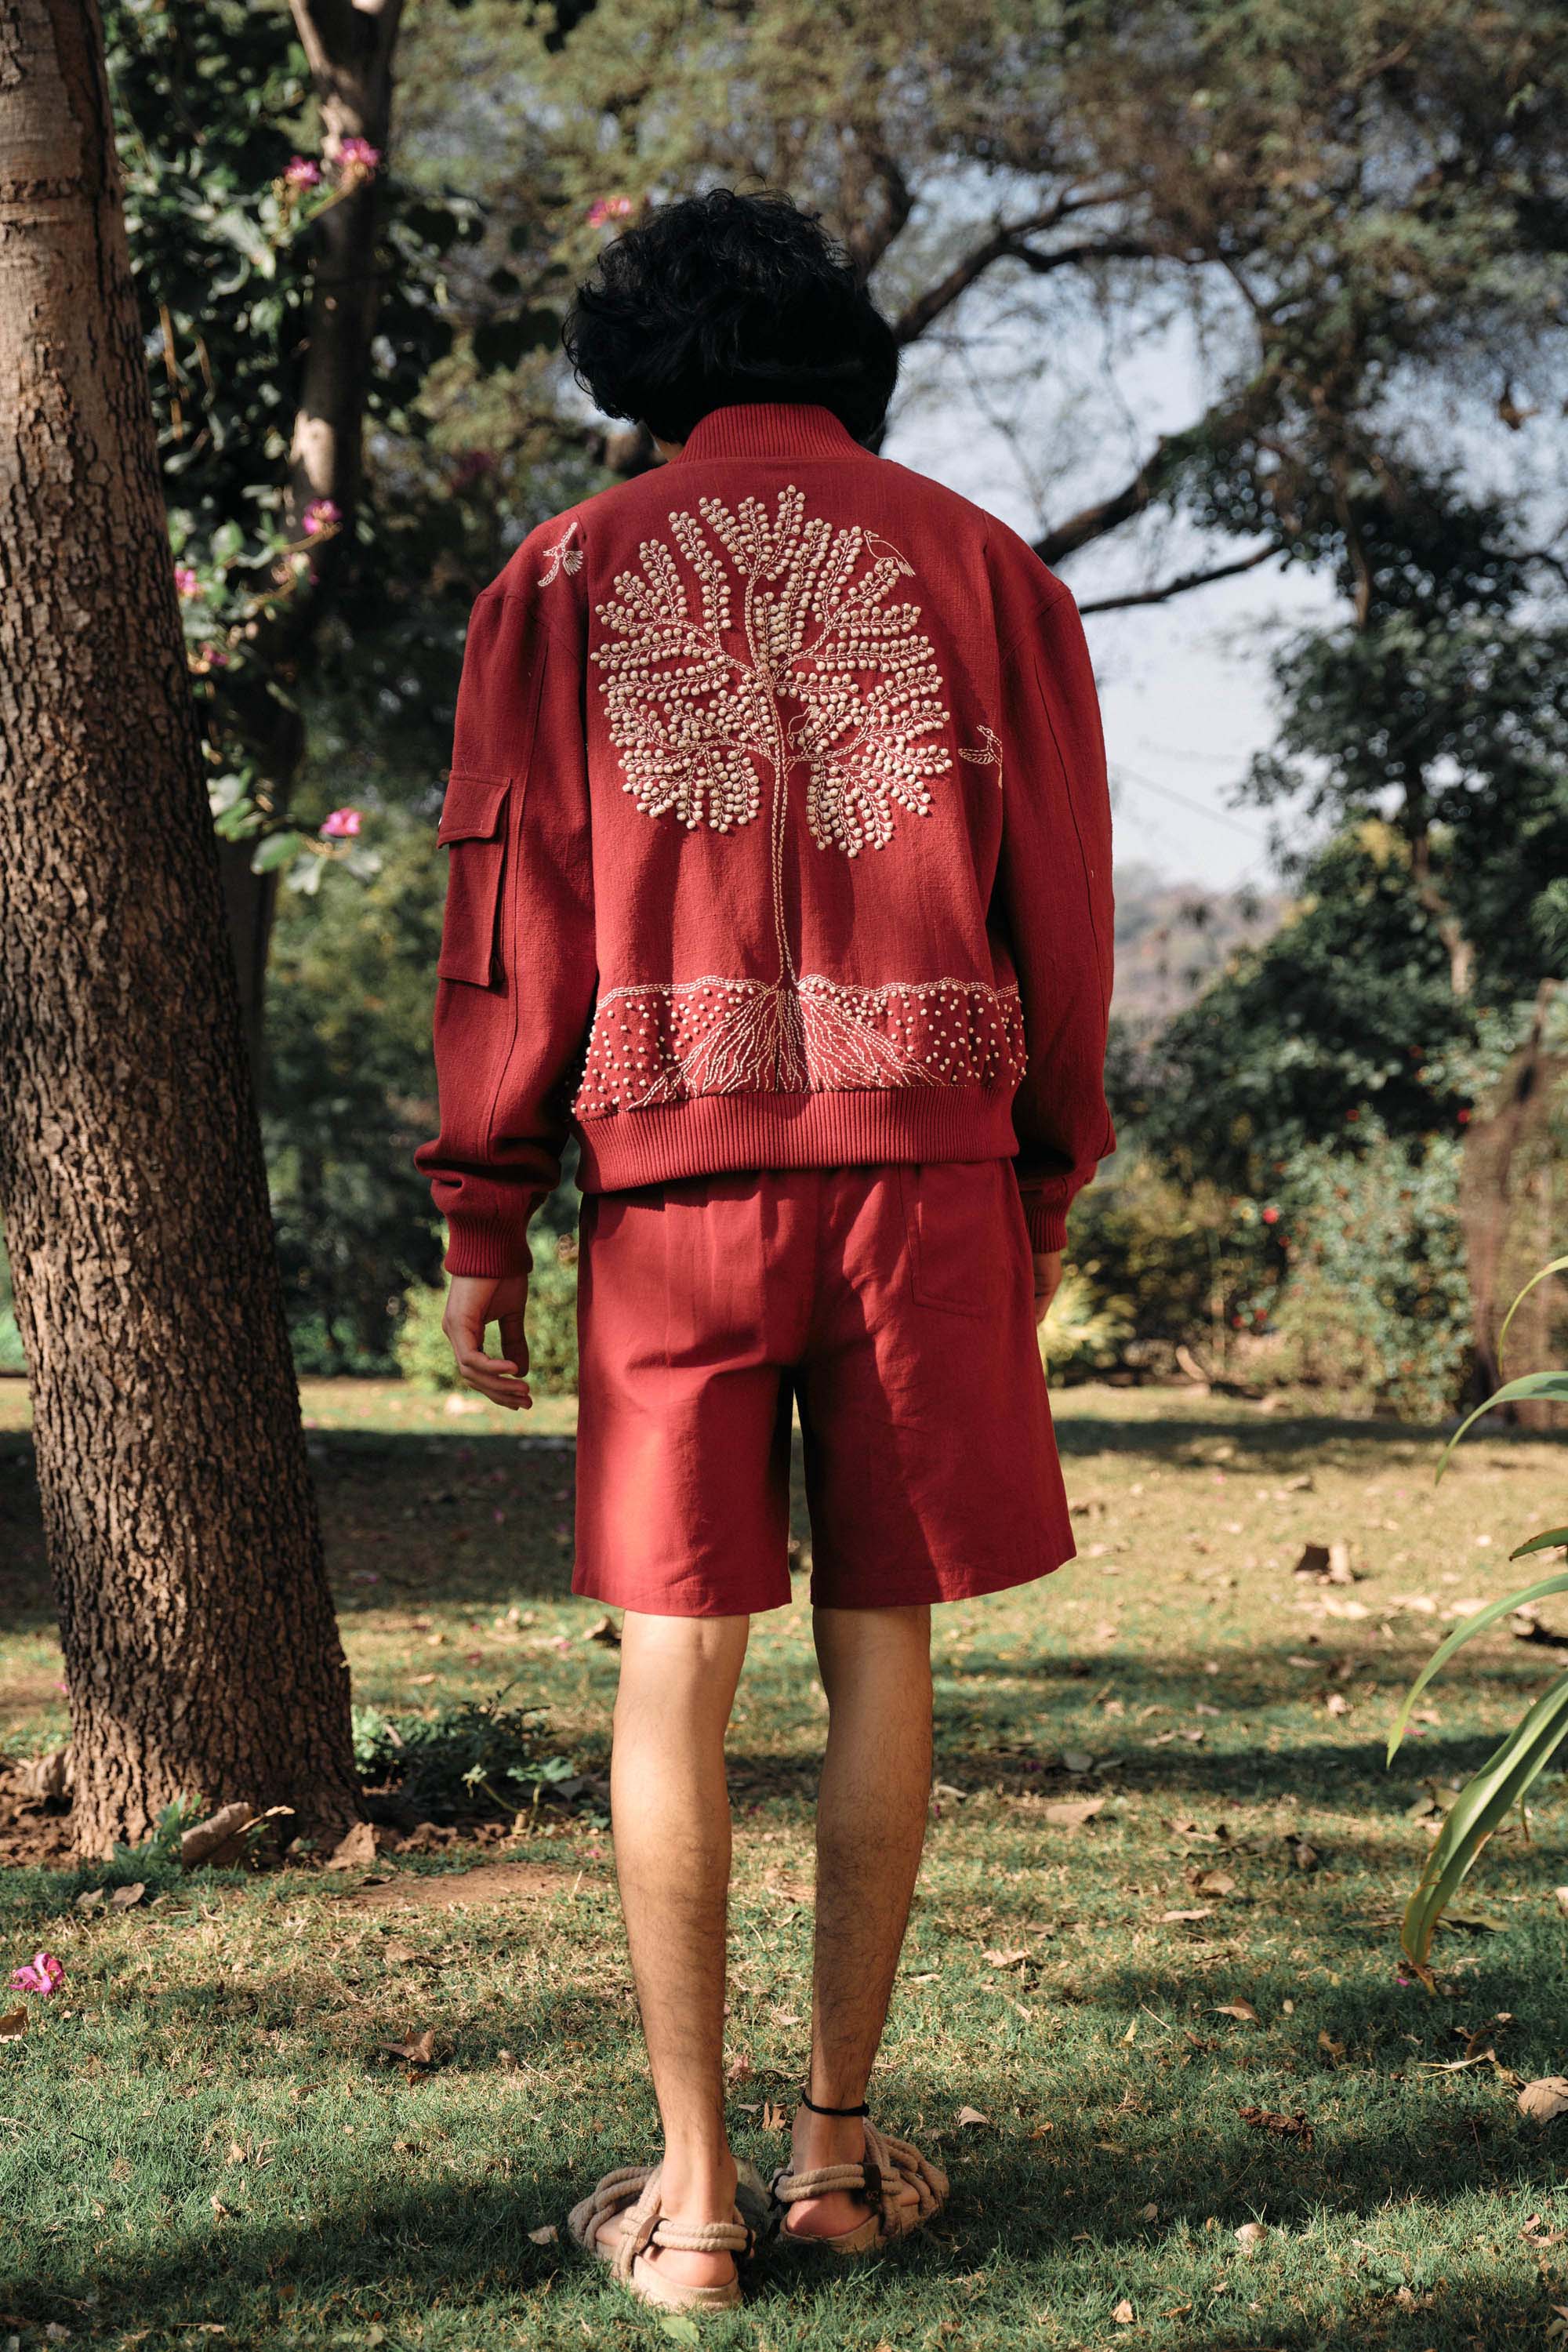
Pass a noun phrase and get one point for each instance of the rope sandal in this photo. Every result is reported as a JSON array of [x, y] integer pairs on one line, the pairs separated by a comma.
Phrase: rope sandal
[[634, 2191], [903, 2188]]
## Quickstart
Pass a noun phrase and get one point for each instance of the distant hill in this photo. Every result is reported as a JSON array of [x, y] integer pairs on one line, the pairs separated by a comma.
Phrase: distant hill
[[1172, 938]]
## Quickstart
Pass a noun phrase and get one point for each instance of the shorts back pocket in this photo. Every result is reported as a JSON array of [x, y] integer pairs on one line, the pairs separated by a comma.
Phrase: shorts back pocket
[[473, 829]]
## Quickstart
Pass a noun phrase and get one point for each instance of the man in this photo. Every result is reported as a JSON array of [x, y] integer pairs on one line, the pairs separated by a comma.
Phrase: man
[[780, 878]]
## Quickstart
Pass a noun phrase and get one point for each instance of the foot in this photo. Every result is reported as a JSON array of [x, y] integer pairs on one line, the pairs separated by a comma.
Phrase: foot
[[817, 2141], [691, 2202]]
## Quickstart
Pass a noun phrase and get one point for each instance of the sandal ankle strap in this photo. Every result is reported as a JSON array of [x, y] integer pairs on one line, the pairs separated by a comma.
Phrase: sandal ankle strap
[[789, 2188], [703, 2237]]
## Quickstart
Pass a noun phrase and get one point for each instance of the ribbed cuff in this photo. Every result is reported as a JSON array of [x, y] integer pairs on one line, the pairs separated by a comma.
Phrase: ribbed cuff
[[1048, 1227], [479, 1245]]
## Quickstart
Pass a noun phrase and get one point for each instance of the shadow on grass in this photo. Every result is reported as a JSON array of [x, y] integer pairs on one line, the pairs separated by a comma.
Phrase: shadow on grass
[[1029, 2219]]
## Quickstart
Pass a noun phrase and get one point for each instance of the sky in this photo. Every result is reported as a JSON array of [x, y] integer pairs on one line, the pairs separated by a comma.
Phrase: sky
[[1186, 684]]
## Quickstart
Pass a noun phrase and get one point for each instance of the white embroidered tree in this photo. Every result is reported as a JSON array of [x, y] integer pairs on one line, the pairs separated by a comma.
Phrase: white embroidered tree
[[760, 643], [774, 644]]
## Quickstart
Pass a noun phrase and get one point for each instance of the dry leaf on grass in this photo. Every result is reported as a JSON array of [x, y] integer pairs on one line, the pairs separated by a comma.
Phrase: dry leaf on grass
[[125, 1898], [607, 1632], [1241, 2008], [354, 1849], [545, 2236], [972, 2116], [1170, 1918], [398, 1955], [1560, 1896], [1337, 1703], [1072, 1813], [90, 1900], [13, 2025], [1333, 2051], [774, 2117], [1250, 2236], [1123, 2314], [418, 2049], [1000, 1959], [1212, 1882], [1536, 2233], [1545, 2099], [1077, 1759], [1266, 2119]]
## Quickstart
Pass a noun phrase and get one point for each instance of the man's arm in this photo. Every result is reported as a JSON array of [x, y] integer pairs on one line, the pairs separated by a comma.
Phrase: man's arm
[[518, 968], [1053, 897]]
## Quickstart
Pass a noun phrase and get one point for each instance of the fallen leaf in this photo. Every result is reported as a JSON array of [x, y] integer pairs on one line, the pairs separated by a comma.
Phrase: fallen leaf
[[1000, 1959], [773, 2117], [1333, 2051], [399, 1954], [125, 1898], [1170, 1918], [1536, 2233], [1294, 2126], [355, 1848], [1314, 1561], [1151, 2212], [1337, 1703], [91, 1899], [419, 2049], [545, 2236], [13, 2025], [1123, 2314], [217, 1838], [1241, 2008], [1250, 2236], [1560, 1896], [1072, 1813], [607, 1632], [1545, 2099], [972, 2116], [1074, 1759], [1212, 1882]]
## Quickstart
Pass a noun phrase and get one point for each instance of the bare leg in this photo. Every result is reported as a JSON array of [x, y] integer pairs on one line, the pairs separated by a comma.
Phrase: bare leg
[[870, 1826], [670, 1807]]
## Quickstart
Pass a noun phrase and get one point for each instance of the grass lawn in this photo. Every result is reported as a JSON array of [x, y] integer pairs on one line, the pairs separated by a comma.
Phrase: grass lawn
[[202, 2136]]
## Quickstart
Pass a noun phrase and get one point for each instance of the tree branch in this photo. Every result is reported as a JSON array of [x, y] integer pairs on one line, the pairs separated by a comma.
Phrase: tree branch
[[1181, 584], [1009, 241]]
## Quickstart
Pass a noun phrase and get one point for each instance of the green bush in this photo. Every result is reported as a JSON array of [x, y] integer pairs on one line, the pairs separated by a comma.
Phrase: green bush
[[1156, 1263], [476, 1757], [1377, 1306], [424, 1358]]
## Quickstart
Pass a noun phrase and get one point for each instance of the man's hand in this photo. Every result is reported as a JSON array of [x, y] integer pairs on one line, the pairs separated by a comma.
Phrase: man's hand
[[1047, 1281], [472, 1301]]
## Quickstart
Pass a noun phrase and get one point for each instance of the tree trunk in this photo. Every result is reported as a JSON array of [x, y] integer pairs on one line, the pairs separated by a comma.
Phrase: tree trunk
[[201, 1655]]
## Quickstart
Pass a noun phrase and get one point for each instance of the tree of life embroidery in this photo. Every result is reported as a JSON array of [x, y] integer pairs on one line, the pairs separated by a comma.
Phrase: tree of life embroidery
[[777, 646]]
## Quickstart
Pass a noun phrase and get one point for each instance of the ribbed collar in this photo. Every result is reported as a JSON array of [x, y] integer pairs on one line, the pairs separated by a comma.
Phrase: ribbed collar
[[769, 428]]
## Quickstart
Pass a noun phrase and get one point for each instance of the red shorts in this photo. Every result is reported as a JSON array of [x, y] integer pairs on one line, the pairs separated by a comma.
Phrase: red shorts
[[895, 1307]]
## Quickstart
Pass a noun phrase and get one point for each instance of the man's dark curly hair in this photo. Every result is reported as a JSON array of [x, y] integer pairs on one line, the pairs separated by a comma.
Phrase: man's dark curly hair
[[722, 299]]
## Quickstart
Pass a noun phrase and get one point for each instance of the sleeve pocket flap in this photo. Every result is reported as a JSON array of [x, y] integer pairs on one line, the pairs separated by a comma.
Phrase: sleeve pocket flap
[[472, 818], [472, 808]]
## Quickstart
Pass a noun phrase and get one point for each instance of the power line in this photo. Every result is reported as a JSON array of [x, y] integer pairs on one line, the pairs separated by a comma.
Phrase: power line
[[1198, 808]]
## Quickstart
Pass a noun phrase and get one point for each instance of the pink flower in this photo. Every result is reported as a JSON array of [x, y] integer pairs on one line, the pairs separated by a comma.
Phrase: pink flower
[[322, 514], [608, 208], [301, 173], [43, 1973], [342, 825], [187, 584], [1271, 1216], [357, 157]]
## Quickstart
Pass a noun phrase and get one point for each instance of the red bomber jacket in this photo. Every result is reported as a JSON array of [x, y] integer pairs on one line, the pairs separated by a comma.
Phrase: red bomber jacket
[[779, 838]]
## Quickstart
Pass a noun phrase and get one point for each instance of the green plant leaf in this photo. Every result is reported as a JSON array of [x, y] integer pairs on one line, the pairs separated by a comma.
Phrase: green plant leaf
[[1548, 1541], [1558, 1266], [1461, 1634], [1533, 1384], [276, 850], [1481, 1805]]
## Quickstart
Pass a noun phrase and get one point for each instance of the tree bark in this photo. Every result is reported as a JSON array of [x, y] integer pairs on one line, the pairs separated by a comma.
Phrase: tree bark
[[201, 1655]]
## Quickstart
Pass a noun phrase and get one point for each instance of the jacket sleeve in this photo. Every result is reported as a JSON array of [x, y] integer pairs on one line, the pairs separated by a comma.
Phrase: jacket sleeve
[[517, 969], [1053, 900]]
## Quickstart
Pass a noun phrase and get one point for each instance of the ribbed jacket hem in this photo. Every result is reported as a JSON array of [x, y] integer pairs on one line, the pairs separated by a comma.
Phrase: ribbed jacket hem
[[712, 1135]]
